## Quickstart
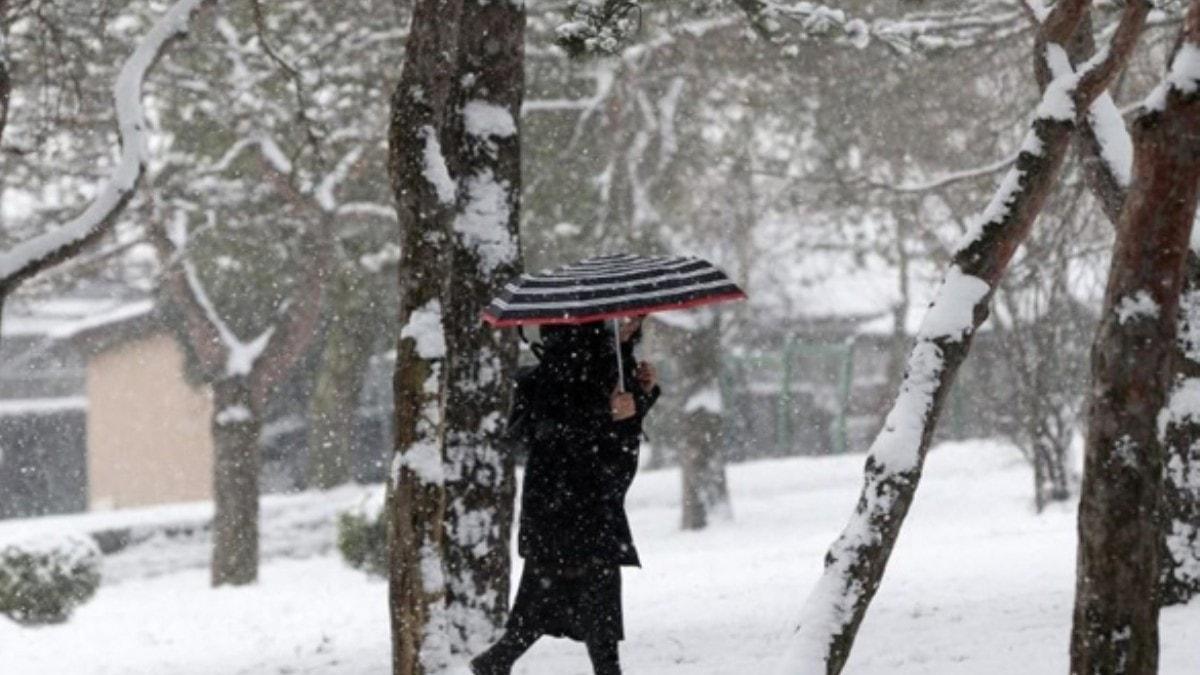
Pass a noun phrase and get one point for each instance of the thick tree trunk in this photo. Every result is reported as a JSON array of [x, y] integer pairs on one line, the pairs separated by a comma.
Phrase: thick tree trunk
[[236, 426], [485, 255], [856, 562], [1179, 577], [339, 383], [1116, 606], [705, 492], [424, 192]]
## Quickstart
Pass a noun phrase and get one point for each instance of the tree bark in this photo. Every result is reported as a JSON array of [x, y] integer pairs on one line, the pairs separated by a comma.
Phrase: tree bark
[[236, 426], [485, 255], [336, 394], [1116, 612], [856, 562], [5, 78], [1179, 576], [418, 163]]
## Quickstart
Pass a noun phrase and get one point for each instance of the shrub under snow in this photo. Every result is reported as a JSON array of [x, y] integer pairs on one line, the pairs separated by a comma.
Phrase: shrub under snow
[[362, 537], [43, 579]]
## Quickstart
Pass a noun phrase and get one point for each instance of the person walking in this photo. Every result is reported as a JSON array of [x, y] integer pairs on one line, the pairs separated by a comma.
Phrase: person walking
[[583, 455]]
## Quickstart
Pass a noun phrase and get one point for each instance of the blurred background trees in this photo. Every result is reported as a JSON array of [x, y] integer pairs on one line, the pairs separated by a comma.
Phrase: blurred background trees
[[828, 163]]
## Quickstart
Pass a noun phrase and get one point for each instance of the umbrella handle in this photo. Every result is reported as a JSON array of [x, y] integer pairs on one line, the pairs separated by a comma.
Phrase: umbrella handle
[[620, 366]]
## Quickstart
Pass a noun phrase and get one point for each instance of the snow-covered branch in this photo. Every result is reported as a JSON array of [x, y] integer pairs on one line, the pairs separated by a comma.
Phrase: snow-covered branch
[[264, 357], [328, 185], [238, 356], [271, 153], [33, 255], [788, 24], [953, 177]]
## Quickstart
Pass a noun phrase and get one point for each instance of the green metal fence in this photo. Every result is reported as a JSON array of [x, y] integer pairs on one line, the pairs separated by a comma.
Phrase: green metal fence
[[802, 379]]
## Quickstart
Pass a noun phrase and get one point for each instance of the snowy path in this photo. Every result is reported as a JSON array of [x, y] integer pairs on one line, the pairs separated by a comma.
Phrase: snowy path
[[978, 585]]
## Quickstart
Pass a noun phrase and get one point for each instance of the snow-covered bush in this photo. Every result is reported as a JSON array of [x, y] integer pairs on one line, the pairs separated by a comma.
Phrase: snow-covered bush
[[362, 537], [42, 580]]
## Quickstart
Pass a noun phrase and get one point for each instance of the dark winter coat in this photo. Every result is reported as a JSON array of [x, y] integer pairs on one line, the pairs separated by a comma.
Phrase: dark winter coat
[[581, 461]]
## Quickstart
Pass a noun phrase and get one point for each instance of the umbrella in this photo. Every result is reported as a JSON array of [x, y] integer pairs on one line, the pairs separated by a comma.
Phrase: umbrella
[[609, 287]]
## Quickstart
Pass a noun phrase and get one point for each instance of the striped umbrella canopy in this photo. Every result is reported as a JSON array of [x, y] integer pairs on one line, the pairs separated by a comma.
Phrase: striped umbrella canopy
[[608, 287]]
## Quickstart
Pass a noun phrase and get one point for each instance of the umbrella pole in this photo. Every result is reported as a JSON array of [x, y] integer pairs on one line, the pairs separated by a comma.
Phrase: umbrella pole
[[620, 366]]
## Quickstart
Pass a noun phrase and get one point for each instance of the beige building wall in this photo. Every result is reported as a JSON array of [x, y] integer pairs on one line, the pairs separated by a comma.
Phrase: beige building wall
[[147, 430]]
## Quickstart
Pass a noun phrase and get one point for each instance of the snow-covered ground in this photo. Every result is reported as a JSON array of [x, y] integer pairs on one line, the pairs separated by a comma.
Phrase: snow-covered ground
[[978, 585]]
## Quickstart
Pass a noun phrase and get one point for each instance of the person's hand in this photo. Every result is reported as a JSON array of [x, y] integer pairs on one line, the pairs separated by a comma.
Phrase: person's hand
[[622, 405], [647, 376]]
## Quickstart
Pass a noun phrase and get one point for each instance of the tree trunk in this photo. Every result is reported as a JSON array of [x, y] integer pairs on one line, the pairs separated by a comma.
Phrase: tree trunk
[[704, 488], [855, 564], [703, 459], [1116, 605], [236, 426], [1179, 577], [5, 78], [1039, 476], [424, 194], [416, 505], [339, 383], [485, 256]]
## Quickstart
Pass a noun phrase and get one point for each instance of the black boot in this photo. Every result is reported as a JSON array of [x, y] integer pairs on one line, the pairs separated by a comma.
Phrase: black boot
[[500, 658], [606, 659], [480, 665]]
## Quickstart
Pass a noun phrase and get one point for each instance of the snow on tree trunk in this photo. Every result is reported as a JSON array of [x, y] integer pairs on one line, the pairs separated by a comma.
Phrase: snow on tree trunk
[[236, 426], [1116, 605], [705, 492], [425, 200], [29, 257], [1107, 153], [485, 255], [855, 563], [339, 382], [1179, 575]]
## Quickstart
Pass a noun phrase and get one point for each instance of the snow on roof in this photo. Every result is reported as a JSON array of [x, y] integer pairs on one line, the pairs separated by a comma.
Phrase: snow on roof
[[852, 292], [64, 317], [825, 285], [41, 406], [118, 314]]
